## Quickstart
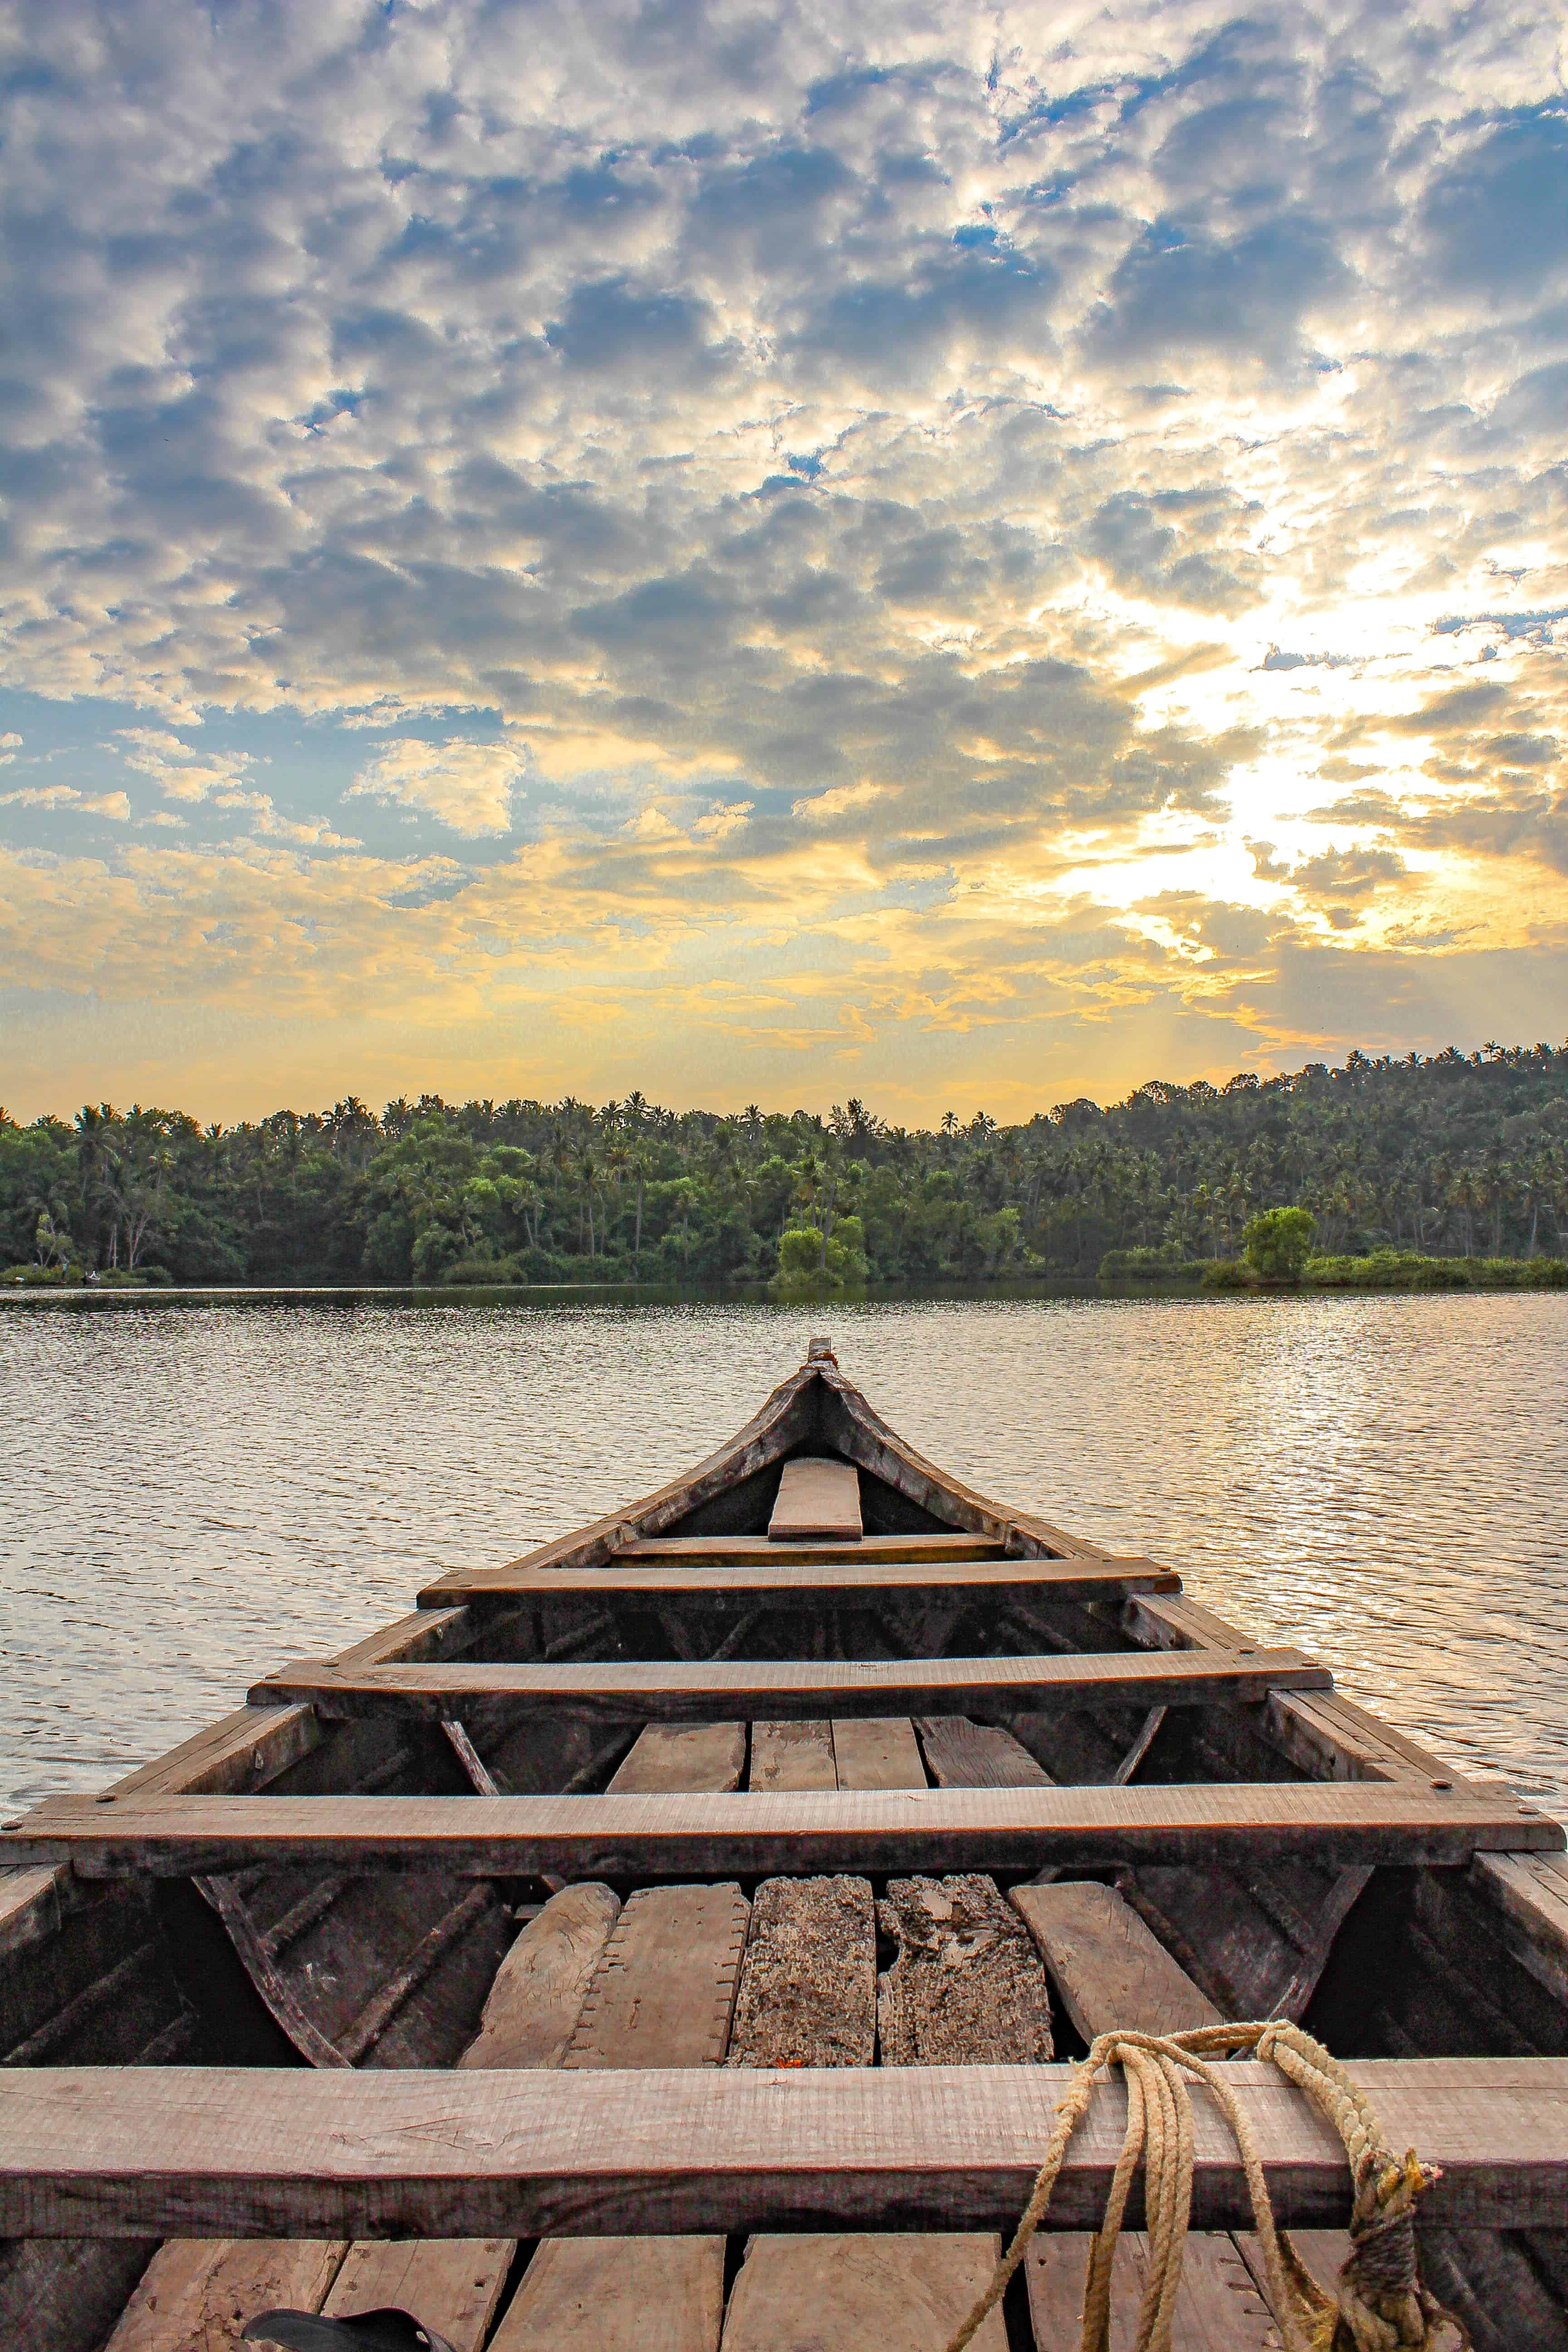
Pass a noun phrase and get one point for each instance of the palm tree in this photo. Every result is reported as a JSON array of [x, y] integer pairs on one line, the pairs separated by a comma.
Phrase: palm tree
[[588, 1176], [638, 1164], [1465, 1194]]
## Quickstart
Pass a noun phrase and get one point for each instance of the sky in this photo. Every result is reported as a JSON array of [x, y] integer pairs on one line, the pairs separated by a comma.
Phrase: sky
[[967, 556]]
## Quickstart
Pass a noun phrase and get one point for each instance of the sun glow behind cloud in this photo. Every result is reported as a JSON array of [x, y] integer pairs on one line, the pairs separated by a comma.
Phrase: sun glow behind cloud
[[770, 553]]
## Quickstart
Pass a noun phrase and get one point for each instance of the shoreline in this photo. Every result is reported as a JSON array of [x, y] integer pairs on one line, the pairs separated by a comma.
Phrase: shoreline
[[651, 1294]]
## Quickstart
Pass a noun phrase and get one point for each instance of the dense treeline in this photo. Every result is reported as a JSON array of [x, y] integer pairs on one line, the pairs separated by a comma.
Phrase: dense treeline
[[1455, 1154]]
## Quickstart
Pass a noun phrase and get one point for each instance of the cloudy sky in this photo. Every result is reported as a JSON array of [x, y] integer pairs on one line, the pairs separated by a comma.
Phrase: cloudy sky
[[965, 555]]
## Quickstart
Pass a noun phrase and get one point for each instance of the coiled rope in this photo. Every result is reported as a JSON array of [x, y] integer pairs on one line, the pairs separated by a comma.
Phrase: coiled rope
[[1380, 2305]]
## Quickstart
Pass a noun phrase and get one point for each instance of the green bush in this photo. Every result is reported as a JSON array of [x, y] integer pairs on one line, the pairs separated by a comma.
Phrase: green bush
[[800, 1253], [807, 1270], [1390, 1269], [1150, 1266], [846, 1251], [492, 1271], [1278, 1243], [1228, 1274]]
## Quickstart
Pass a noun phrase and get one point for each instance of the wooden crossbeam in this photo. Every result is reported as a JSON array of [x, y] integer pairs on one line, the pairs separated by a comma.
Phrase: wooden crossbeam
[[956, 1543], [788, 1689], [794, 1833], [779, 1573], [142, 2151]]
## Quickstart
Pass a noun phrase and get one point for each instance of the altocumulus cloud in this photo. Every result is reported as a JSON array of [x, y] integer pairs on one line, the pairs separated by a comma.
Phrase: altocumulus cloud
[[728, 549]]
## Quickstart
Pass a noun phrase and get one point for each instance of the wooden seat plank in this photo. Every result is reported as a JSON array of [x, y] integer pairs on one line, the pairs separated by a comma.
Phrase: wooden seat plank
[[877, 1752], [940, 1543], [966, 1986], [666, 1759], [807, 1994], [137, 2151], [739, 1690], [818, 1499], [843, 2293], [788, 1833], [778, 1570], [202, 2293], [792, 1755], [961, 1754], [665, 1986]]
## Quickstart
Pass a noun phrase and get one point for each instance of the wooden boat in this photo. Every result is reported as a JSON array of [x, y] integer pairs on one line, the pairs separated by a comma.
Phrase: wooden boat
[[675, 1939]]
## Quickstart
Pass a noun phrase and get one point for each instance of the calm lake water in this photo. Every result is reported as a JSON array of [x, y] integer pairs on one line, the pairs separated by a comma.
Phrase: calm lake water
[[191, 1494]]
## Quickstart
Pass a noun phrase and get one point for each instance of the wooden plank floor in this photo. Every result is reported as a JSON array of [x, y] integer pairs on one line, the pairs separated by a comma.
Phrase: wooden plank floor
[[792, 1832], [668, 1759], [963, 1755], [792, 1756], [1108, 1971], [198, 2293], [810, 1996], [144, 2150], [778, 1689]]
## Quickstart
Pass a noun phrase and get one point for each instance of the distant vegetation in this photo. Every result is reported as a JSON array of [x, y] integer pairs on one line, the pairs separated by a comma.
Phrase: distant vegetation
[[1450, 1161]]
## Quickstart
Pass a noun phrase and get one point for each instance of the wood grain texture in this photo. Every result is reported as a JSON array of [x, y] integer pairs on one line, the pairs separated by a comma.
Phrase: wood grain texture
[[792, 1755], [877, 1752], [738, 1690], [966, 1986], [1218, 2307], [1324, 1734], [450, 2284], [196, 2293], [1108, 1971], [665, 1987], [454, 2284], [807, 1994], [838, 2294], [817, 1497], [1106, 1964], [959, 1754], [661, 1996], [31, 1908], [776, 1571], [261, 1965], [667, 1759], [791, 1831], [154, 2150], [617, 2294], [537, 1998], [1527, 1895]]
